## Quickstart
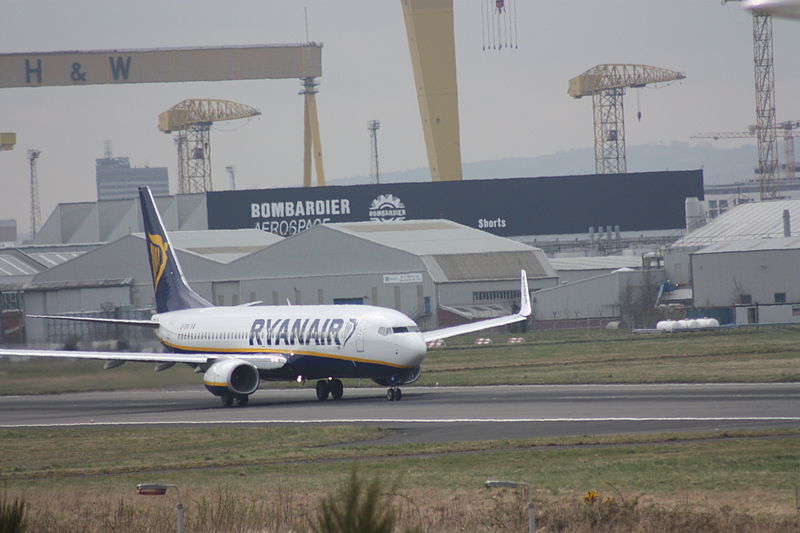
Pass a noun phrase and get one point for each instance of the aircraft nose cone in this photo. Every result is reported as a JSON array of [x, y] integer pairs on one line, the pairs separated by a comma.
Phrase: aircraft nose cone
[[416, 351]]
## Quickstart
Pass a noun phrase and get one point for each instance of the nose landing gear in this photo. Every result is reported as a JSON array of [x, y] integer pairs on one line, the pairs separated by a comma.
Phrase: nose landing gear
[[394, 394]]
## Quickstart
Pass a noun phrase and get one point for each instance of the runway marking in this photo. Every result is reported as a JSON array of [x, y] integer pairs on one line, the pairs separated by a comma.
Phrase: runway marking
[[411, 421]]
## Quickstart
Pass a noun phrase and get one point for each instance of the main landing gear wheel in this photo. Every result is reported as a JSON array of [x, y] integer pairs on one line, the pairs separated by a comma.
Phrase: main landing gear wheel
[[336, 388], [323, 390], [227, 399], [329, 387], [394, 394]]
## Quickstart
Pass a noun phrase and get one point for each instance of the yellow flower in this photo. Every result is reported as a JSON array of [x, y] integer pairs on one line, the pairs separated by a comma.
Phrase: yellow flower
[[591, 497]]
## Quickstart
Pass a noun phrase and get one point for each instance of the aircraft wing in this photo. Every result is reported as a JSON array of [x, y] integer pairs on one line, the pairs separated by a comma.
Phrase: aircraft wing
[[523, 314], [261, 361], [129, 322]]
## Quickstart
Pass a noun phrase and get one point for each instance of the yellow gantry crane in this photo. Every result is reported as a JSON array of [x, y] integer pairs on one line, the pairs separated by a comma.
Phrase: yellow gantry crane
[[606, 85], [191, 120], [431, 42], [7, 141]]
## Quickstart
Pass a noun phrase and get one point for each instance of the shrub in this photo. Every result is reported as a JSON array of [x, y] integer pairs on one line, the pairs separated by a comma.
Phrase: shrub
[[357, 507], [12, 515]]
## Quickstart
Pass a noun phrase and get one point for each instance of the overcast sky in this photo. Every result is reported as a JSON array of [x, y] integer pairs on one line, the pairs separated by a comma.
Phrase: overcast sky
[[512, 103]]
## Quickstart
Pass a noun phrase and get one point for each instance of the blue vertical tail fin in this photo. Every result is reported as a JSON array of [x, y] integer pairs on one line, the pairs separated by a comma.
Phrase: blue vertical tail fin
[[171, 290]]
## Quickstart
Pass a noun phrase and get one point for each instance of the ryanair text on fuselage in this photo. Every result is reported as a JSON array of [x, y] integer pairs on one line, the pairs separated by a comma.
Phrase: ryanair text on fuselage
[[302, 331]]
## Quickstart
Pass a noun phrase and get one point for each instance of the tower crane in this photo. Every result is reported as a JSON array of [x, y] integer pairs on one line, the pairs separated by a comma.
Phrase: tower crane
[[606, 85], [191, 120], [788, 128], [765, 133]]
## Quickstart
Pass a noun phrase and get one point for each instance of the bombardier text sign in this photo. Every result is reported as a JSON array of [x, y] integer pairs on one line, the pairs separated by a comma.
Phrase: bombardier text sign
[[44, 69], [508, 207]]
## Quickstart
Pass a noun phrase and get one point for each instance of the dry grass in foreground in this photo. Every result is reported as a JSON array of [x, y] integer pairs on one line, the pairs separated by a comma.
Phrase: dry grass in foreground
[[272, 479], [418, 510]]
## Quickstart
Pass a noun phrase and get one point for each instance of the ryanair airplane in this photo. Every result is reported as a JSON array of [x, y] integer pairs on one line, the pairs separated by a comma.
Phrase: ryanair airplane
[[238, 347]]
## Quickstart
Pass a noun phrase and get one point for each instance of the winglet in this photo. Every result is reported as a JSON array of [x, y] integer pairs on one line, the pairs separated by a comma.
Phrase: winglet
[[524, 296], [523, 313]]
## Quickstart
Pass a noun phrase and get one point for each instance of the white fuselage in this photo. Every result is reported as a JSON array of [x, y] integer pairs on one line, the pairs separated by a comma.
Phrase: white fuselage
[[320, 340]]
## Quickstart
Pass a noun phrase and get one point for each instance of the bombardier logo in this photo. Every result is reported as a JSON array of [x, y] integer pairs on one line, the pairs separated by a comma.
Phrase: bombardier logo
[[387, 207]]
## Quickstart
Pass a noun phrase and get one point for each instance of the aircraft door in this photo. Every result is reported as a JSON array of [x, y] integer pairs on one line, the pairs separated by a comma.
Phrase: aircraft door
[[360, 338]]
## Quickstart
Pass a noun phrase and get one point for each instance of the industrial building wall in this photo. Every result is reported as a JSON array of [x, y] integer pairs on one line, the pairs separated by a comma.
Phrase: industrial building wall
[[602, 296], [678, 264], [767, 314], [593, 297], [486, 292], [110, 220], [68, 300], [368, 289], [8, 230], [117, 180], [758, 277]]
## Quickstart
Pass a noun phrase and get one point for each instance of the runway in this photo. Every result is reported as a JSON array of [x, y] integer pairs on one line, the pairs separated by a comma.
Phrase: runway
[[431, 414]]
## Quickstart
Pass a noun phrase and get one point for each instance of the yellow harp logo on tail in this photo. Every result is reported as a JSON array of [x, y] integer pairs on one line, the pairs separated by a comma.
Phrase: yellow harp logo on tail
[[158, 256]]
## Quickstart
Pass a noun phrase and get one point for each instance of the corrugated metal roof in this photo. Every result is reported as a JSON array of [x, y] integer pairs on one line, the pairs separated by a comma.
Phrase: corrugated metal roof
[[757, 220], [750, 245], [222, 245], [429, 237], [494, 265], [68, 284], [595, 263], [12, 265], [51, 259], [452, 251]]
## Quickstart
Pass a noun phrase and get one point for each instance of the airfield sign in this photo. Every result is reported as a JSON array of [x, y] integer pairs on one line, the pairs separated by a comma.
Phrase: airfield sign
[[160, 65]]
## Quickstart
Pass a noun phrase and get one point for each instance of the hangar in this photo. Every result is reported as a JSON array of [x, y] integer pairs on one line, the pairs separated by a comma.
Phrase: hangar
[[436, 271], [742, 266], [113, 280]]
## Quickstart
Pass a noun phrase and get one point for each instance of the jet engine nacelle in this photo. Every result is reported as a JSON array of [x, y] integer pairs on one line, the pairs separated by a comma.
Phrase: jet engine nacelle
[[231, 375]]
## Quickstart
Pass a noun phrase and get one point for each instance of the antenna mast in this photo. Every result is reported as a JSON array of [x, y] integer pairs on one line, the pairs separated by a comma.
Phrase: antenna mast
[[36, 214], [374, 170]]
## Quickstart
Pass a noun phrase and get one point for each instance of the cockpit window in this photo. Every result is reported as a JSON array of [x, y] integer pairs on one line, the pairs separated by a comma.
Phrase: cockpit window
[[405, 329]]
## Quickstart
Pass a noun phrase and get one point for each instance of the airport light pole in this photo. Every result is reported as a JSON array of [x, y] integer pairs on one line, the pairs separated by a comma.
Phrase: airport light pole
[[159, 489], [496, 484]]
